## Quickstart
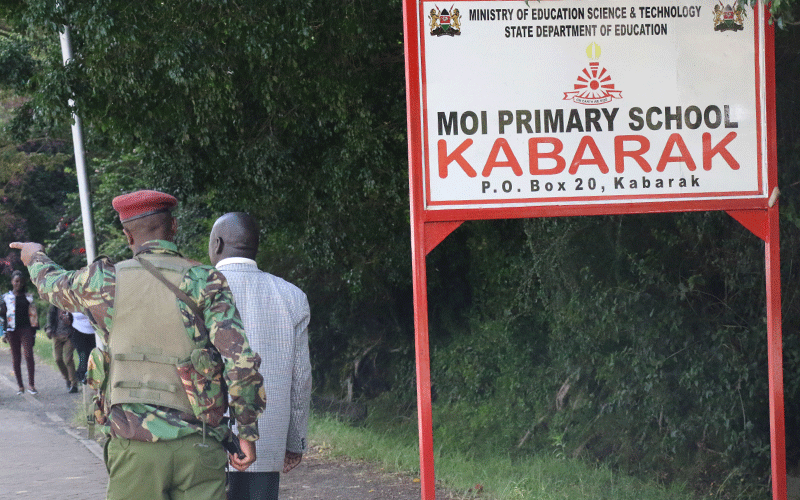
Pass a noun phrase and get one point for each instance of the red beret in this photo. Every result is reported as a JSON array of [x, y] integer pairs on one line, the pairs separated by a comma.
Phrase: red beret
[[142, 203]]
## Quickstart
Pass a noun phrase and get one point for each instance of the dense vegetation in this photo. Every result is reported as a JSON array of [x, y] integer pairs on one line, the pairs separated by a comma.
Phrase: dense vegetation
[[638, 341]]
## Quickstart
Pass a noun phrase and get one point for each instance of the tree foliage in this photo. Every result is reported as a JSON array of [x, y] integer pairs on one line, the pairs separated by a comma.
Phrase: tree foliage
[[17, 65], [292, 111]]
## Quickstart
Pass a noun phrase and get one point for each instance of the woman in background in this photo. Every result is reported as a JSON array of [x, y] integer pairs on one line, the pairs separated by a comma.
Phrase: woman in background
[[20, 320]]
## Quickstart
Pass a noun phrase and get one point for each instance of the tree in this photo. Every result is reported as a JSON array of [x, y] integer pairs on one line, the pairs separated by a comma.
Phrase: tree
[[292, 111], [34, 174]]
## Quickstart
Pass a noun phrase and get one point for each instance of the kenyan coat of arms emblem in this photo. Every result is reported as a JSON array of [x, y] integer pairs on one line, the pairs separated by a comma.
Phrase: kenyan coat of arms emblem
[[444, 22], [728, 18]]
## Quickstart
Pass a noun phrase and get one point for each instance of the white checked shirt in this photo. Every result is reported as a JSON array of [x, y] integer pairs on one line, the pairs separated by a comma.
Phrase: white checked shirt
[[275, 315]]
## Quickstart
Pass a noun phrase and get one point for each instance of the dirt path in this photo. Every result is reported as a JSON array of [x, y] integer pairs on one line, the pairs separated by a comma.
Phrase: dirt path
[[322, 477]]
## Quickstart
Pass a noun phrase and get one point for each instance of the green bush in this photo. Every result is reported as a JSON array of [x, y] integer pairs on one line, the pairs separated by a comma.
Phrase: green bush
[[17, 65], [637, 341]]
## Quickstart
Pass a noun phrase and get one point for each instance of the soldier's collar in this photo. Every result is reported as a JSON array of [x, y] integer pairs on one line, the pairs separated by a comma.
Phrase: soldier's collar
[[158, 246]]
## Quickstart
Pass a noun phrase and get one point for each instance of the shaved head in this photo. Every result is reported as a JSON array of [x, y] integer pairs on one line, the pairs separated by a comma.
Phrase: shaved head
[[235, 234]]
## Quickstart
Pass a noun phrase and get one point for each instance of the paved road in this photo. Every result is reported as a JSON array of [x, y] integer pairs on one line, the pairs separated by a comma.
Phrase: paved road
[[43, 456]]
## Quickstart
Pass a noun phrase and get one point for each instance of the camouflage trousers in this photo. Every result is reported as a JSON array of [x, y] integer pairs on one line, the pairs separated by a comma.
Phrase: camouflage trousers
[[179, 469]]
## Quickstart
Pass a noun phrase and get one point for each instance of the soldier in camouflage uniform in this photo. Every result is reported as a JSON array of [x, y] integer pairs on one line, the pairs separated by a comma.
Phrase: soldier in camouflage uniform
[[157, 451]]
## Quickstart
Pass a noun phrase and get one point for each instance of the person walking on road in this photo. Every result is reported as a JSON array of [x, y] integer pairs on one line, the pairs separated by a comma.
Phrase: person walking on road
[[83, 338], [59, 329], [177, 344], [276, 316], [20, 321]]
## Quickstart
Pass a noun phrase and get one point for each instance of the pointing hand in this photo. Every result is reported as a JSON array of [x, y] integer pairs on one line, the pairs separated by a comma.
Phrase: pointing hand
[[27, 250]]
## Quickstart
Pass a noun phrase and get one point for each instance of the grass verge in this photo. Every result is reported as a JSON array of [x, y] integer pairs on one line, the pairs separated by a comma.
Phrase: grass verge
[[499, 477], [43, 348]]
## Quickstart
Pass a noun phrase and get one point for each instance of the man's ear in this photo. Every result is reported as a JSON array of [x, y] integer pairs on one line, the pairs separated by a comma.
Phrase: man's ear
[[129, 236], [219, 245]]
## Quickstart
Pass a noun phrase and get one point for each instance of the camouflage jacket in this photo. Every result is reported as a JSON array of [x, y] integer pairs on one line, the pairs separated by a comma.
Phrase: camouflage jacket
[[91, 291]]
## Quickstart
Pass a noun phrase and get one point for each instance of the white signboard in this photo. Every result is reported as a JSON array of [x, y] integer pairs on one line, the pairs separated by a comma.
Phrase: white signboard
[[560, 103]]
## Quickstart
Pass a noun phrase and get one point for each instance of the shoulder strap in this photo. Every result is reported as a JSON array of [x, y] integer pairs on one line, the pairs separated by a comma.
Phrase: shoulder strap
[[149, 267]]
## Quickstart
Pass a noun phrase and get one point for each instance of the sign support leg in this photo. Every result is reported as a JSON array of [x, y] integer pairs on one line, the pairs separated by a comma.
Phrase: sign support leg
[[775, 357], [424, 411], [765, 226]]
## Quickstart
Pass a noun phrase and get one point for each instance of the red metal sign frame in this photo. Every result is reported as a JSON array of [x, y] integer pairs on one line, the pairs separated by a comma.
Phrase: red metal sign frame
[[430, 227]]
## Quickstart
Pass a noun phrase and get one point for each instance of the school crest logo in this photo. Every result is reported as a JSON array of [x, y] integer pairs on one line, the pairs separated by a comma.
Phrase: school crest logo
[[594, 85], [728, 18], [445, 22]]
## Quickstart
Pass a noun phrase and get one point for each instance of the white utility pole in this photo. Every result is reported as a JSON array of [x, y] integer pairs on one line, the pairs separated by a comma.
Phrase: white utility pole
[[80, 162]]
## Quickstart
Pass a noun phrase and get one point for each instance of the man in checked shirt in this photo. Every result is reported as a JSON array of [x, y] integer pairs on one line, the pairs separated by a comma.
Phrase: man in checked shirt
[[275, 315]]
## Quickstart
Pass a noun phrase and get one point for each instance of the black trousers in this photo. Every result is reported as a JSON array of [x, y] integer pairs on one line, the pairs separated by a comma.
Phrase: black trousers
[[83, 343], [253, 485]]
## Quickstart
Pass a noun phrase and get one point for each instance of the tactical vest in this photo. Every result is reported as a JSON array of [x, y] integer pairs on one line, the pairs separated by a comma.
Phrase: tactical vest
[[148, 338]]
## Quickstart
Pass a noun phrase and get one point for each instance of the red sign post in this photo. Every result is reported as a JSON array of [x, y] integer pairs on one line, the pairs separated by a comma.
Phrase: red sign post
[[562, 108]]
